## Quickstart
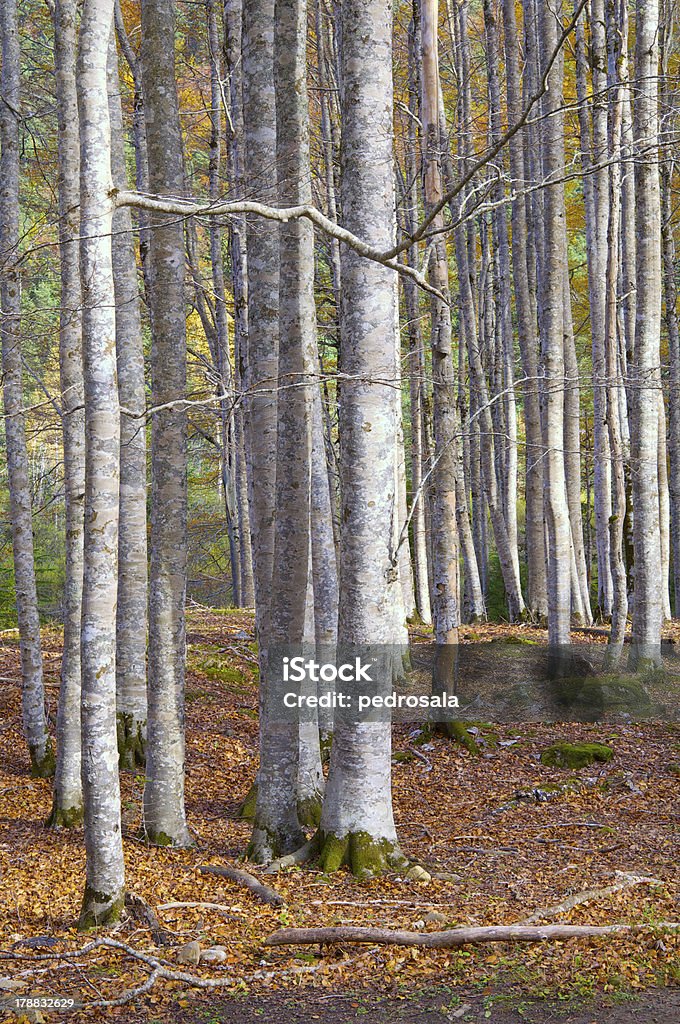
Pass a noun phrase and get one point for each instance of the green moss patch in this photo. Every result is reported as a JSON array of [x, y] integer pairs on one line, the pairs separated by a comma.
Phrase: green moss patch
[[575, 755]]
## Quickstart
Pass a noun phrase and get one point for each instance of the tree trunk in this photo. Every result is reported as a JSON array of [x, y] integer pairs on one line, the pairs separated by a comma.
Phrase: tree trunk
[[669, 116], [164, 813], [615, 393], [21, 515], [105, 883], [67, 805], [645, 373], [536, 590], [551, 368], [357, 824], [277, 829], [593, 155], [131, 622], [239, 263]]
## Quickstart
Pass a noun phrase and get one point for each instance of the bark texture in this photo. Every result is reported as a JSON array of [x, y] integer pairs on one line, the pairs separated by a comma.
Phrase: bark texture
[[105, 883], [164, 813], [21, 513]]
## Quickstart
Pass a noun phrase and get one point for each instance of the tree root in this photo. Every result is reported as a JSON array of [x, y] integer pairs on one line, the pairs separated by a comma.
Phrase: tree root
[[263, 892]]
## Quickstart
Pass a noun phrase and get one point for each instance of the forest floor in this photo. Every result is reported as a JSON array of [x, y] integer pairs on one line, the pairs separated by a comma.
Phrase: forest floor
[[513, 835]]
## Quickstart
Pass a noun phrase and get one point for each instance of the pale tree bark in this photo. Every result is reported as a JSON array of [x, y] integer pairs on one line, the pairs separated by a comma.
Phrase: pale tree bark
[[67, 804], [33, 694], [445, 596], [138, 133], [667, 166], [276, 830], [260, 360], [131, 621], [222, 357], [239, 263], [164, 813], [645, 373], [416, 357], [536, 590], [551, 369], [617, 73], [357, 823], [580, 597], [259, 116], [502, 289], [593, 130], [105, 882]]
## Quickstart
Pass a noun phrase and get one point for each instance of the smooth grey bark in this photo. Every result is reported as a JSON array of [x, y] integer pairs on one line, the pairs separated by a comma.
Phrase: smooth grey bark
[[67, 802], [324, 555], [164, 813], [138, 133], [645, 373], [444, 539], [105, 877], [260, 360], [617, 72], [416, 353], [18, 473], [527, 330], [507, 406], [276, 829], [580, 596], [593, 131], [551, 367], [357, 823], [221, 355], [259, 116], [131, 620], [239, 264], [668, 125]]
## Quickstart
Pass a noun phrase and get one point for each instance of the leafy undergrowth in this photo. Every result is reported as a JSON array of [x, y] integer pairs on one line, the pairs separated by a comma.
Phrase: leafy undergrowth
[[519, 835]]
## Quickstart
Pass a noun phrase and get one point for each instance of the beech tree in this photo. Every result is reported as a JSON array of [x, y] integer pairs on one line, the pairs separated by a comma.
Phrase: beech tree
[[357, 823], [21, 513], [105, 884], [164, 812], [67, 806]]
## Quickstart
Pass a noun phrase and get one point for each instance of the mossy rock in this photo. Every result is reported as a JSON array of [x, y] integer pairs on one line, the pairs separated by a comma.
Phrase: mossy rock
[[591, 697], [517, 641], [403, 757], [575, 755]]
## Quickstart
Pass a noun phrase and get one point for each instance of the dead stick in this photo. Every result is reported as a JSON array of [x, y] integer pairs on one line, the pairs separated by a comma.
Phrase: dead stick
[[454, 937], [263, 892], [625, 881]]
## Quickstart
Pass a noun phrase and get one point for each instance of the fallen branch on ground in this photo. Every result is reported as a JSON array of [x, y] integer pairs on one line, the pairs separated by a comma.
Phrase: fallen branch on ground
[[143, 913], [625, 881], [456, 936], [263, 892]]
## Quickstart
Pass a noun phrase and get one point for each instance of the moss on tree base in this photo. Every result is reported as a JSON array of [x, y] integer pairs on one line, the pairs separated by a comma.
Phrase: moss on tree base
[[575, 755], [247, 808], [364, 854], [309, 810], [100, 910], [65, 817], [43, 765], [131, 742], [267, 845]]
